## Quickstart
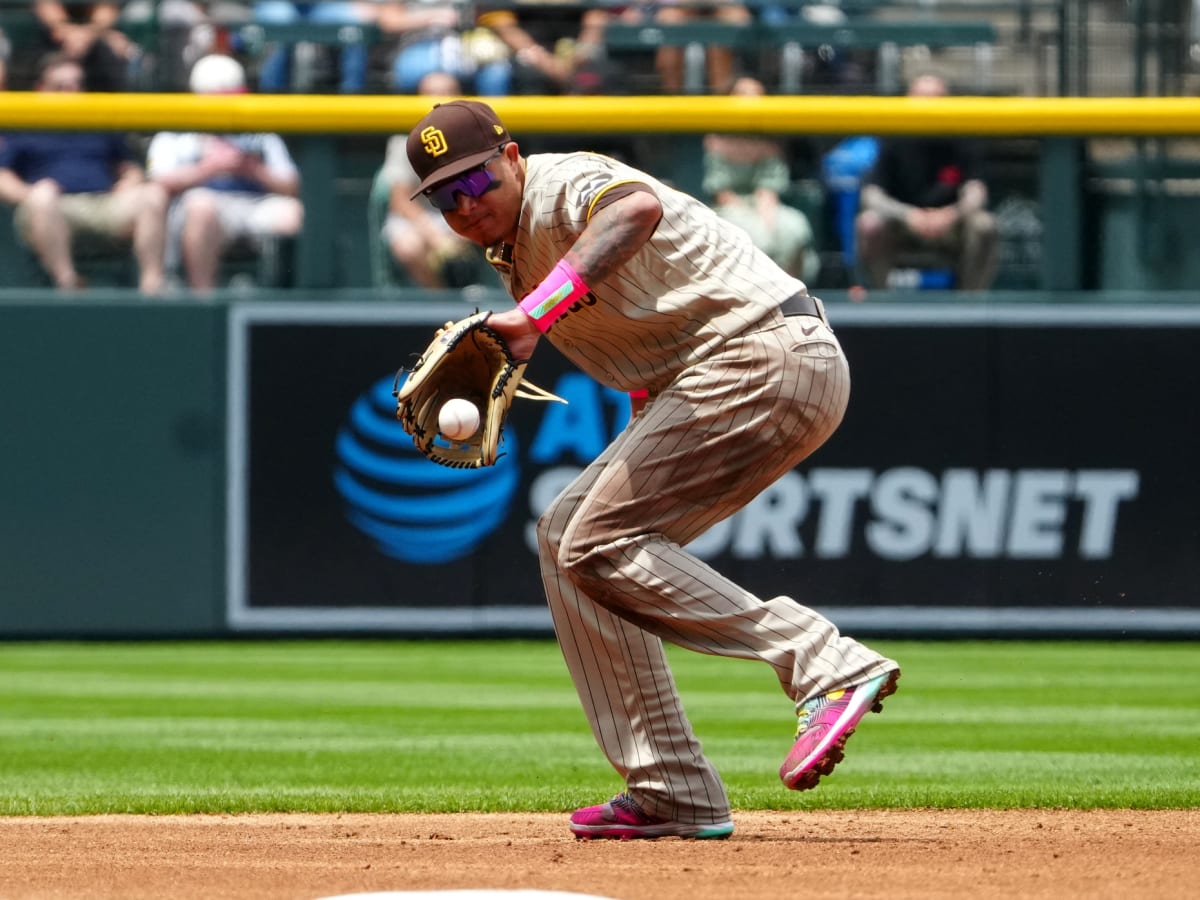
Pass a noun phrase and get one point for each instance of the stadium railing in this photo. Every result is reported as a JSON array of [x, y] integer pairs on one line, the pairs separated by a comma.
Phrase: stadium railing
[[789, 39]]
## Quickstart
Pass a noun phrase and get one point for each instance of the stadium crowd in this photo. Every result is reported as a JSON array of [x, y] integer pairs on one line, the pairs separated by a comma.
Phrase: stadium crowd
[[798, 197]]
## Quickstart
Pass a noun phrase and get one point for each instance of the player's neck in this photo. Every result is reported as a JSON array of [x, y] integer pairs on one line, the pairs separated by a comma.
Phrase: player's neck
[[500, 255]]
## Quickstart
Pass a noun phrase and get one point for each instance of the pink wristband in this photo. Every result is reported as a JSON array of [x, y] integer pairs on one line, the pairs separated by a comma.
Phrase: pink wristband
[[640, 394], [550, 299]]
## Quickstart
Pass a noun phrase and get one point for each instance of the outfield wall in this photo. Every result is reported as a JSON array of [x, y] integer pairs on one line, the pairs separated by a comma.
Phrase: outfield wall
[[111, 468], [215, 469]]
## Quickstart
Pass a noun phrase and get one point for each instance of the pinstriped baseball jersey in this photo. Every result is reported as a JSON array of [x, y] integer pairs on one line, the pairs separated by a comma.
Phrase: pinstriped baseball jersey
[[670, 304], [739, 395]]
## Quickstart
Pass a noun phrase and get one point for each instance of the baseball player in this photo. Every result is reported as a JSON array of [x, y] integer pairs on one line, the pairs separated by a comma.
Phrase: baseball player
[[735, 376]]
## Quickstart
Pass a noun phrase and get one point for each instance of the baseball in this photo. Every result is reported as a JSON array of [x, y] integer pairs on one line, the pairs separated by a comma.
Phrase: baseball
[[458, 419]]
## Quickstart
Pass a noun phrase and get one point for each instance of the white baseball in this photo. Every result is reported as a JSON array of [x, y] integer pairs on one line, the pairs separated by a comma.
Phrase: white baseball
[[458, 419]]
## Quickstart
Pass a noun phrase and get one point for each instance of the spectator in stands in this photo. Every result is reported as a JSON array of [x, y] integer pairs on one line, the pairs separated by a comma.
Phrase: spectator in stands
[[927, 194], [824, 68], [88, 32], [555, 49], [225, 188], [276, 73], [5, 53], [80, 187], [438, 36], [745, 175], [187, 31], [417, 235], [721, 62]]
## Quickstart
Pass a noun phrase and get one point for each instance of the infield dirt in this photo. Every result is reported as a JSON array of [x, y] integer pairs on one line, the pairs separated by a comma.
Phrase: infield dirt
[[899, 855]]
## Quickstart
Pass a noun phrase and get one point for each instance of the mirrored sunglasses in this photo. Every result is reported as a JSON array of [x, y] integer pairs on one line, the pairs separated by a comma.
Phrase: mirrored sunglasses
[[474, 184]]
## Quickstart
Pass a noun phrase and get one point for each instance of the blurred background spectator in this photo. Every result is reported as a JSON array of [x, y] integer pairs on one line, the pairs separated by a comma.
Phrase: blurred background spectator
[[442, 36], [88, 32], [186, 31], [276, 74], [721, 62], [923, 204], [81, 192], [227, 188], [746, 175], [5, 54], [825, 68], [843, 168], [422, 246], [556, 48]]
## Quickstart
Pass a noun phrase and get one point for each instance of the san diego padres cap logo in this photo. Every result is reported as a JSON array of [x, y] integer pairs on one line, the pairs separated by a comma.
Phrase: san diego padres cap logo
[[434, 141]]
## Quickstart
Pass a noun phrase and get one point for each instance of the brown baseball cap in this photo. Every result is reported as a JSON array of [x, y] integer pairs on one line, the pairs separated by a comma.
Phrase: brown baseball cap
[[452, 138]]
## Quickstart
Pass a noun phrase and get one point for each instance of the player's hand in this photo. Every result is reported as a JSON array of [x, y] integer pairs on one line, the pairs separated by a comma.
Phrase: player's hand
[[515, 326]]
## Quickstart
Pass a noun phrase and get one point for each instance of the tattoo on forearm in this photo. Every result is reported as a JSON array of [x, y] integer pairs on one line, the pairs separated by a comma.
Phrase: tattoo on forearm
[[608, 241]]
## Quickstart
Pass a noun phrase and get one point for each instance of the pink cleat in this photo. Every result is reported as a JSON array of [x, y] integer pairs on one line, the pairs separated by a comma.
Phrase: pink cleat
[[824, 724], [622, 819]]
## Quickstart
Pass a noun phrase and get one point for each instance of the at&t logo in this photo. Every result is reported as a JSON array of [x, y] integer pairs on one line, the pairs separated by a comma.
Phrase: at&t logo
[[412, 509]]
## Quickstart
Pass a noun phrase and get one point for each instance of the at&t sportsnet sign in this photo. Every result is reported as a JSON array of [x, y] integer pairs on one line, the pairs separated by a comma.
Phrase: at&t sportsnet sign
[[980, 481], [907, 513]]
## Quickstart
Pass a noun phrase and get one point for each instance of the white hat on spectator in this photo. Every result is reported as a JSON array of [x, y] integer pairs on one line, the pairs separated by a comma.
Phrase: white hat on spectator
[[217, 74]]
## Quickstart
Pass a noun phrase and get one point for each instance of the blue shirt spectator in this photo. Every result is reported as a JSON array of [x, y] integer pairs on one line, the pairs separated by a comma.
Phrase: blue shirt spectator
[[71, 188], [79, 163]]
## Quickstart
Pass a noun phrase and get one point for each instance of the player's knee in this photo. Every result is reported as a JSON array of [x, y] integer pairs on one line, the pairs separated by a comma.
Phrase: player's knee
[[595, 568], [573, 561], [552, 542], [557, 543], [567, 538]]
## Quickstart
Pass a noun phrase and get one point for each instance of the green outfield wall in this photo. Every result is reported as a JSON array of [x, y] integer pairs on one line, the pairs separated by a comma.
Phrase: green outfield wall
[[128, 507], [200, 469], [111, 468]]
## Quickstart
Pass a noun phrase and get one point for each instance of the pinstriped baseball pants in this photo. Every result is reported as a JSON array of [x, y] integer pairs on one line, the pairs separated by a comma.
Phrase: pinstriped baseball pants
[[619, 582]]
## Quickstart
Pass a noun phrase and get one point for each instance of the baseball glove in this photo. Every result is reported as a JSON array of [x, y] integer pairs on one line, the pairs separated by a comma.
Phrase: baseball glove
[[465, 359]]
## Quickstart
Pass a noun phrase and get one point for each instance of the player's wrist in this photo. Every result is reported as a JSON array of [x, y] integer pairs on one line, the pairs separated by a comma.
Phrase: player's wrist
[[547, 302]]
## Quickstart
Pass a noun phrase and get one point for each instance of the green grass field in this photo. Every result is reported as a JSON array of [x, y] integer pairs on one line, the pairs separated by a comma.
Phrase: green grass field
[[396, 726]]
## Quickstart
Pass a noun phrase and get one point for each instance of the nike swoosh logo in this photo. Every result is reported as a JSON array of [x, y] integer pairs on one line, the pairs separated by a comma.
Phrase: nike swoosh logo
[[807, 330]]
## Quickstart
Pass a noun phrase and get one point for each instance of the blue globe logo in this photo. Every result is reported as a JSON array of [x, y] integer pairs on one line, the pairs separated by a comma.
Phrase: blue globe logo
[[412, 509]]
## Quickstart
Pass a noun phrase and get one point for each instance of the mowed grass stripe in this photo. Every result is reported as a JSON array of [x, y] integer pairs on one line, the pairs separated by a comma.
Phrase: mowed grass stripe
[[298, 691], [424, 726]]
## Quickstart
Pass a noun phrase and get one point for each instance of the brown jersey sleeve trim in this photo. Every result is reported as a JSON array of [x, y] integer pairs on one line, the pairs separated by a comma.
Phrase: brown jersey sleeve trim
[[614, 192]]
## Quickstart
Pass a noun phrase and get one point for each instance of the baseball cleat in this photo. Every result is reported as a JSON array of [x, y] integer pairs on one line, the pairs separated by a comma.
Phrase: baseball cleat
[[824, 723], [622, 819]]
